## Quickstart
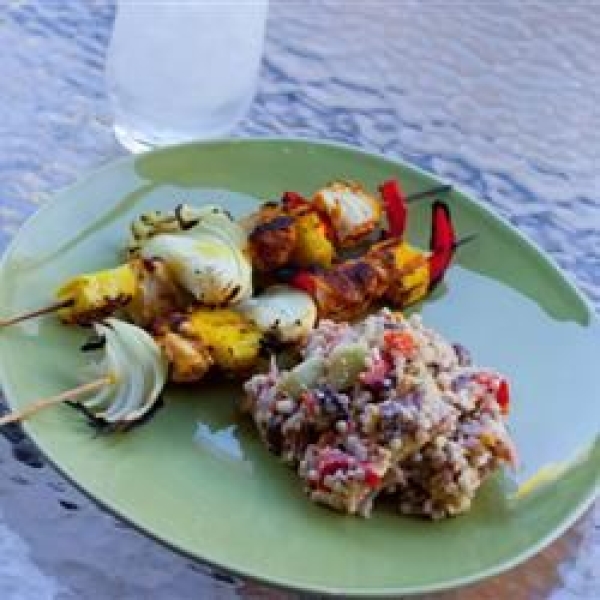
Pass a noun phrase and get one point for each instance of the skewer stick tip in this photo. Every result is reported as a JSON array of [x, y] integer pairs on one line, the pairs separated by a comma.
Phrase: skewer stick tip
[[467, 239], [434, 191], [70, 395], [35, 313]]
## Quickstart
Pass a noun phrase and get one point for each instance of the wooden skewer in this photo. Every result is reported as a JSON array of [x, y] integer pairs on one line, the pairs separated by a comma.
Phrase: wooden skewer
[[44, 403], [440, 189], [35, 313], [467, 239]]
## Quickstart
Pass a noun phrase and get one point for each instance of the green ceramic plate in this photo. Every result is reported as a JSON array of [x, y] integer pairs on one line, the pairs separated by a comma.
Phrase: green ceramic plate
[[197, 478]]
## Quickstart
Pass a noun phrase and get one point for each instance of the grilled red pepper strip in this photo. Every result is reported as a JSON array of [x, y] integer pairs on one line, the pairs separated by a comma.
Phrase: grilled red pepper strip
[[394, 203], [442, 243], [293, 200]]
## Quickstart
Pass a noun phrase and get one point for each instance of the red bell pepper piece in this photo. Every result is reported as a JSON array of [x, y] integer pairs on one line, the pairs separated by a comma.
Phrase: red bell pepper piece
[[400, 341], [503, 397], [292, 200], [372, 479], [442, 243], [333, 460], [394, 204], [304, 281], [340, 463]]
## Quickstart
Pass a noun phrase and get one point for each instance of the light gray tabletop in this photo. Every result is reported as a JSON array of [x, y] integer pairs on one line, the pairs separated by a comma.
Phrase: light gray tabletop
[[502, 98]]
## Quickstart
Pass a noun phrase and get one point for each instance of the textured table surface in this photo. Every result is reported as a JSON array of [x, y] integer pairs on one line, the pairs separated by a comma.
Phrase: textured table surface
[[502, 98]]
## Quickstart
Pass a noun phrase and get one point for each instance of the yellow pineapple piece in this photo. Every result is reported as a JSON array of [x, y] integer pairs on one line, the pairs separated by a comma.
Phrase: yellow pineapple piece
[[312, 246], [94, 296], [233, 342]]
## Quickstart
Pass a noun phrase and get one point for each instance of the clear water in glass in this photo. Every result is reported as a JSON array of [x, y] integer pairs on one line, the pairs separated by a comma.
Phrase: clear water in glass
[[182, 70]]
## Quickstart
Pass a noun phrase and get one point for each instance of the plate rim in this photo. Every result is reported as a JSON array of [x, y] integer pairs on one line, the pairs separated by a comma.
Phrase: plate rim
[[450, 584]]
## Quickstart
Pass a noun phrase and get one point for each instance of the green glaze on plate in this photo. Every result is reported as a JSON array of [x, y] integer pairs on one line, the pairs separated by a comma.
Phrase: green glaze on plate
[[197, 478]]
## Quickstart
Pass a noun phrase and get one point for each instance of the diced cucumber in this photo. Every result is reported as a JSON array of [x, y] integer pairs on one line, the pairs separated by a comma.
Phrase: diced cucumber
[[302, 377], [345, 364]]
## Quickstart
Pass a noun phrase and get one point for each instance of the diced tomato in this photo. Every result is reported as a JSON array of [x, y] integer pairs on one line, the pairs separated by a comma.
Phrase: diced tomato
[[400, 341], [333, 461], [372, 479], [331, 466], [503, 396]]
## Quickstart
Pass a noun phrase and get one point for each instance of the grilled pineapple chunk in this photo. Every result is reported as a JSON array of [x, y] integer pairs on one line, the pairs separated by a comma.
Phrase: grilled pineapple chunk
[[233, 342], [312, 245], [411, 280], [93, 296]]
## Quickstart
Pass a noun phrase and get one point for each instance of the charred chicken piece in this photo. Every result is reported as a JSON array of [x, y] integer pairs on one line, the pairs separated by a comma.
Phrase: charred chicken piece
[[353, 213], [188, 355], [347, 290], [272, 240]]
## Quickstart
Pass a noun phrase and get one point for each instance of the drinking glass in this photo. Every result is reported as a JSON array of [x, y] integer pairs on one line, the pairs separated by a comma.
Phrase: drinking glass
[[180, 70]]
